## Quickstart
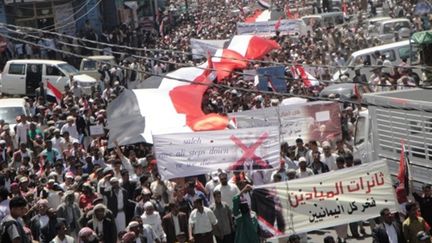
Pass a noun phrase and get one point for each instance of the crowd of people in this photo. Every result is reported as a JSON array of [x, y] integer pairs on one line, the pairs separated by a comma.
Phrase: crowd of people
[[60, 183]]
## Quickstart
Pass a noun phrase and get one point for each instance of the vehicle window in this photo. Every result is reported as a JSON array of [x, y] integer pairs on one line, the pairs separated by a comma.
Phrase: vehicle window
[[339, 19], [388, 28], [401, 25], [389, 54], [404, 53], [9, 114], [68, 68], [52, 70], [89, 65], [17, 69], [360, 135]]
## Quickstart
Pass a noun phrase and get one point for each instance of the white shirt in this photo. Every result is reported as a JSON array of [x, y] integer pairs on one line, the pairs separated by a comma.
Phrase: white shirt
[[119, 195], [59, 144], [43, 220], [73, 132], [4, 209], [209, 188], [155, 222], [227, 193], [176, 224], [303, 174], [21, 132], [391, 232], [202, 222], [329, 161]]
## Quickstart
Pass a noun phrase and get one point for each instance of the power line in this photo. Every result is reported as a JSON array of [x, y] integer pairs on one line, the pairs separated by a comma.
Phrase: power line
[[69, 17], [203, 56], [82, 16], [246, 90], [212, 69]]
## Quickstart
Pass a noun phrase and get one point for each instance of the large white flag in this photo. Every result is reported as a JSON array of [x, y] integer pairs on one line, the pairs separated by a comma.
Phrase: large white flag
[[188, 154]]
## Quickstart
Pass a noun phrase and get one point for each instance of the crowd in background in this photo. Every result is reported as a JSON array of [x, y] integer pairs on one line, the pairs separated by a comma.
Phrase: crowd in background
[[60, 183]]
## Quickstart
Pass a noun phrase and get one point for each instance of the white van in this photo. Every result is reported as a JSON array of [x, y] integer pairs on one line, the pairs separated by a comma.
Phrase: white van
[[90, 65], [394, 53], [385, 29], [22, 77]]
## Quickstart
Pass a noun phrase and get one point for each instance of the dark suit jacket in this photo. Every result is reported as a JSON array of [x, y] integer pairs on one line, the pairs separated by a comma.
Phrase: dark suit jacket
[[35, 226], [128, 206], [109, 234], [379, 234], [168, 226]]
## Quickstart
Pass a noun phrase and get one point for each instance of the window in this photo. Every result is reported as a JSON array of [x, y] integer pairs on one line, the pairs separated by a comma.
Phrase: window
[[360, 133], [388, 29], [68, 68], [404, 53], [389, 55], [9, 114], [17, 69], [89, 65], [53, 71]]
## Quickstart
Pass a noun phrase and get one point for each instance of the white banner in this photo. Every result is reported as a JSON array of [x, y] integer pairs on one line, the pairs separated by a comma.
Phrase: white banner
[[267, 28], [63, 15], [326, 200], [318, 121], [200, 48], [188, 154]]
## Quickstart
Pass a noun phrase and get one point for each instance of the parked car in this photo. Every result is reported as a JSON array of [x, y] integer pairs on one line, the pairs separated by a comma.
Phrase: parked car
[[23, 77]]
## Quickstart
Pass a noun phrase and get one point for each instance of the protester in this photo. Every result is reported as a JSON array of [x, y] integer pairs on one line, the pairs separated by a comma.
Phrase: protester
[[413, 224], [201, 222], [245, 219], [390, 230]]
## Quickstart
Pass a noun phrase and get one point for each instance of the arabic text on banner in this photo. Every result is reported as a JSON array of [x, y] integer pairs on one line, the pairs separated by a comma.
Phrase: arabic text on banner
[[325, 200], [188, 154]]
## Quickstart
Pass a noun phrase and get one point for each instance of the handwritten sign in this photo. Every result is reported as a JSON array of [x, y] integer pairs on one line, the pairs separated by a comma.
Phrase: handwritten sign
[[318, 121], [96, 130], [188, 154], [333, 198]]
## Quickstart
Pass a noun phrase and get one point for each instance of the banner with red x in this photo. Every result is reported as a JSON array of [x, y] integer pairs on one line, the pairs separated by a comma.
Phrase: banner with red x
[[189, 154]]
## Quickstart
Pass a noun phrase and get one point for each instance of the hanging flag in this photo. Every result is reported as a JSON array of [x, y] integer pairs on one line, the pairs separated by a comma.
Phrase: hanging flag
[[403, 173], [288, 11], [308, 80], [252, 47], [242, 13], [278, 23], [54, 92], [344, 9], [357, 92]]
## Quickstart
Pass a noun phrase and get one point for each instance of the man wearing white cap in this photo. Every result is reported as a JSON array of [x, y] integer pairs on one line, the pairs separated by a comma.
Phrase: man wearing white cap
[[152, 218], [70, 127], [116, 201], [303, 170]]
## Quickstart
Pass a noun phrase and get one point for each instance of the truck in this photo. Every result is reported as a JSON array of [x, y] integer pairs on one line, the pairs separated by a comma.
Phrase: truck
[[394, 118]]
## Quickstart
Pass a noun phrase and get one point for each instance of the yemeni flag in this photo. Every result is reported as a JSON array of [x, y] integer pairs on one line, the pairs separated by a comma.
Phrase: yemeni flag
[[54, 92], [403, 173], [278, 24]]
